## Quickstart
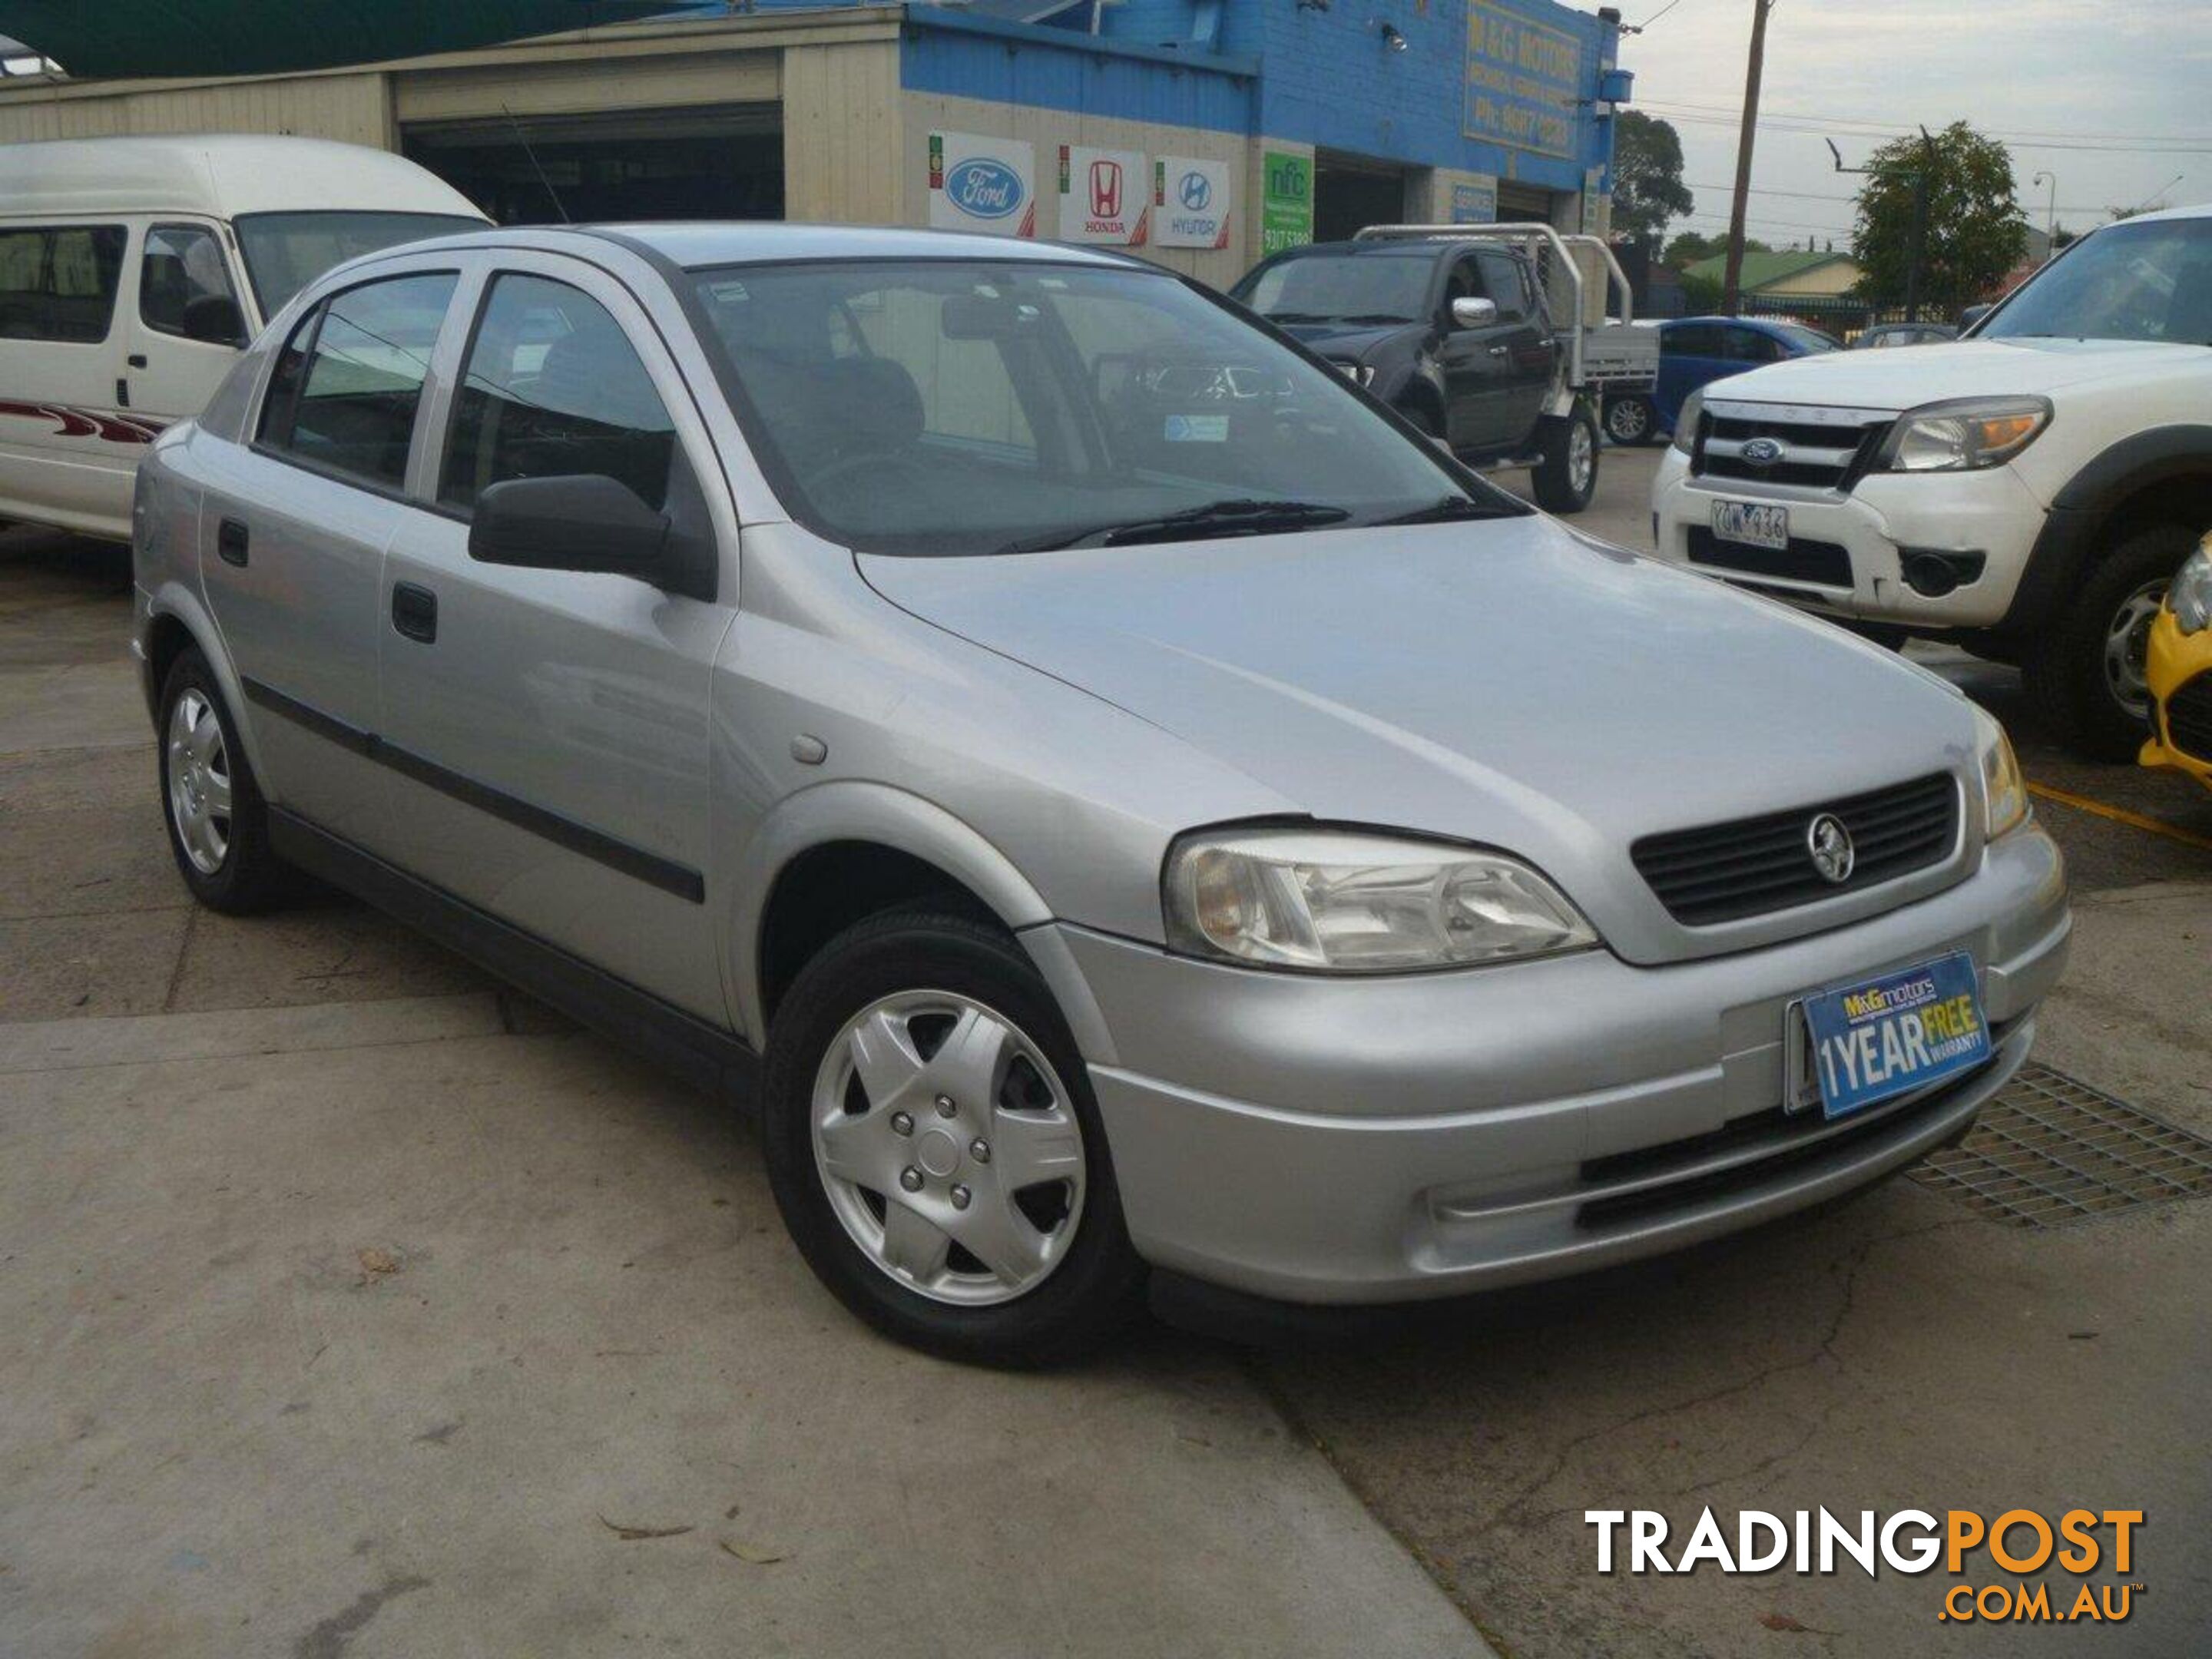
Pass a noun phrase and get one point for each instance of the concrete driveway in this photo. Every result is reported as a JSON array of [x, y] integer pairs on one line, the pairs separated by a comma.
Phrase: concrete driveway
[[355, 1306]]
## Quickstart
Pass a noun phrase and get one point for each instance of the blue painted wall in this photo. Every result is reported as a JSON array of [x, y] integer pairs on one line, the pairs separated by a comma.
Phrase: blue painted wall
[[1326, 77]]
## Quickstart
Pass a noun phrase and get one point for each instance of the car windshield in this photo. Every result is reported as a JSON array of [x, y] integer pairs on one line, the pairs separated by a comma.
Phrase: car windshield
[[285, 252], [2130, 282], [971, 406], [1380, 285]]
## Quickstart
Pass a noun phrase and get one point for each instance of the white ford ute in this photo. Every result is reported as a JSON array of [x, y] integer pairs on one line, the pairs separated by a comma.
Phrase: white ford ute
[[2027, 492]]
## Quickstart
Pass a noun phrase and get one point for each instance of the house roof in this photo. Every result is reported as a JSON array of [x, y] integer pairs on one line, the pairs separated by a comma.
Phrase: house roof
[[1762, 268]]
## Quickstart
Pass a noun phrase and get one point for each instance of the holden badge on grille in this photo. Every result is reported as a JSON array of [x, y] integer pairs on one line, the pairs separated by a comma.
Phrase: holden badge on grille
[[1830, 844]]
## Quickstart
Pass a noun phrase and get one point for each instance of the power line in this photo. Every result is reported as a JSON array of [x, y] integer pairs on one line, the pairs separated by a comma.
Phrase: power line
[[1723, 111], [1815, 128]]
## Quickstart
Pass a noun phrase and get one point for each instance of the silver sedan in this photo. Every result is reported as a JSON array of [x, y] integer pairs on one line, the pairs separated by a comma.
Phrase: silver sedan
[[1120, 803]]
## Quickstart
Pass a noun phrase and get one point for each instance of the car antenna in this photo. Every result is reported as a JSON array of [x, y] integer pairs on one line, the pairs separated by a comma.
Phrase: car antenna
[[522, 138]]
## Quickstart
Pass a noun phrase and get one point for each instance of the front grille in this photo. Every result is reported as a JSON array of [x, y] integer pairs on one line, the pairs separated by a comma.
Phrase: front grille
[[2189, 717], [1804, 560], [1725, 872], [1817, 456]]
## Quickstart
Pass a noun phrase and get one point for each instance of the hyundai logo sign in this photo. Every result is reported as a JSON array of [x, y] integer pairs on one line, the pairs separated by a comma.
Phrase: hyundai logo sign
[[1761, 452], [986, 188], [1195, 191]]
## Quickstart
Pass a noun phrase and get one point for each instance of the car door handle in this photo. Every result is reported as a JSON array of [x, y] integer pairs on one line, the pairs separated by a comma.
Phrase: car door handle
[[137, 359], [415, 611], [230, 542], [1499, 351]]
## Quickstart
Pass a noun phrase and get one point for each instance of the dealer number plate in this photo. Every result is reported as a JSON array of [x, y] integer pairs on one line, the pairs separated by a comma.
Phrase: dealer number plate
[[1872, 1041]]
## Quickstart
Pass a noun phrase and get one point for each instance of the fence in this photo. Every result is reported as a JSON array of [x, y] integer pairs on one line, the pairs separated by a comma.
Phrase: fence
[[1843, 315]]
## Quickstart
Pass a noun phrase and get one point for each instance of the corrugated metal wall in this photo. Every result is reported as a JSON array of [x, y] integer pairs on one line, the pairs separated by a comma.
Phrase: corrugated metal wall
[[843, 144], [353, 108]]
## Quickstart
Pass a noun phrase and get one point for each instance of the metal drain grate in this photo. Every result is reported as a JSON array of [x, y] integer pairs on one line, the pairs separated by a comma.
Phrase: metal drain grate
[[2049, 1150]]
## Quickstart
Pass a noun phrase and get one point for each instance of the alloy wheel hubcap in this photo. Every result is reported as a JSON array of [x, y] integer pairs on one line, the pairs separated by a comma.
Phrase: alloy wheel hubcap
[[2127, 644], [1582, 449], [1628, 419], [198, 768], [948, 1148]]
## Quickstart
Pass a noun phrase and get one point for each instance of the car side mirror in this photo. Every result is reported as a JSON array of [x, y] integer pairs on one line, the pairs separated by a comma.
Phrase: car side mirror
[[1468, 312], [1971, 315], [583, 522], [215, 319]]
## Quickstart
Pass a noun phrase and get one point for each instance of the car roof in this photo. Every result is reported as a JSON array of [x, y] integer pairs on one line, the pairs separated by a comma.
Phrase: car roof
[[218, 173], [696, 243], [2194, 210], [1765, 325]]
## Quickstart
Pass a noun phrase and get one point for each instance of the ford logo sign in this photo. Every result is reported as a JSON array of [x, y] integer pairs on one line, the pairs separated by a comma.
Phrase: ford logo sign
[[1761, 452], [986, 188]]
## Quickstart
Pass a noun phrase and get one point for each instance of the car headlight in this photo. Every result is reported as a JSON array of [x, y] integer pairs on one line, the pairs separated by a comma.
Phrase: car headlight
[[1685, 424], [1327, 900], [2004, 791], [2191, 595], [1962, 434]]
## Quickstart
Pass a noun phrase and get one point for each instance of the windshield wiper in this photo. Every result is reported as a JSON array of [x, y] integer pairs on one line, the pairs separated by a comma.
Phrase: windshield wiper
[[1297, 316], [1229, 517], [1451, 507], [1375, 317]]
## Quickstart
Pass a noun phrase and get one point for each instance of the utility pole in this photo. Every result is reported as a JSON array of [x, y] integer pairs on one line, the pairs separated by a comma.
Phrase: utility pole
[[1918, 244], [1919, 227], [2050, 213], [1732, 281]]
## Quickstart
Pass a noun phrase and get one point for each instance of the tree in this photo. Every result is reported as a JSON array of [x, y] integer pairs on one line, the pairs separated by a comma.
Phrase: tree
[[1975, 232], [1648, 189]]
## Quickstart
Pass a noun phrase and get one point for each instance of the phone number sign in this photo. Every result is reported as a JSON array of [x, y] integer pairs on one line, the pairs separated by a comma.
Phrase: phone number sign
[[1524, 81]]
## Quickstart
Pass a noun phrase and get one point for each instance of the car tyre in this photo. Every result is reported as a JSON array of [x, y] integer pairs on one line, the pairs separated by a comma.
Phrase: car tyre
[[1566, 478], [217, 822], [912, 1040], [1629, 420], [2085, 675]]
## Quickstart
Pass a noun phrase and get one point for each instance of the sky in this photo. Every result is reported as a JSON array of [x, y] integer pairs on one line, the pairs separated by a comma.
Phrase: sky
[[2107, 94]]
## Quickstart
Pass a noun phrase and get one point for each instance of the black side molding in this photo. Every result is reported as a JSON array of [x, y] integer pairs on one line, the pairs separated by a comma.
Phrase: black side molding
[[635, 862], [703, 1054]]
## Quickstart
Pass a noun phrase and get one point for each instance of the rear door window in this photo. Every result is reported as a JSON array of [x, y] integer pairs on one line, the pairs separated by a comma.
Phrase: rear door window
[[59, 281], [347, 384], [1692, 340], [553, 387]]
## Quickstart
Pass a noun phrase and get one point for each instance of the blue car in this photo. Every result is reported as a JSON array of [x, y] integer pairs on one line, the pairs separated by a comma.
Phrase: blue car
[[1695, 351]]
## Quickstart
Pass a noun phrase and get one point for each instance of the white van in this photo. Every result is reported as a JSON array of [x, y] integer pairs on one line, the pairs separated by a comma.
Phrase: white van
[[133, 270]]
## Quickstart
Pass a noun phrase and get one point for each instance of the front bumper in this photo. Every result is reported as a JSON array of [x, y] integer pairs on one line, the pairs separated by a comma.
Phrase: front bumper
[[1992, 512], [2174, 659], [1345, 1140]]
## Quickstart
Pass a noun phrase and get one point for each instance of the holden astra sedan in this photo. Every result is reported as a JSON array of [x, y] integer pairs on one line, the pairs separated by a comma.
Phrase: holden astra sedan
[[1123, 807]]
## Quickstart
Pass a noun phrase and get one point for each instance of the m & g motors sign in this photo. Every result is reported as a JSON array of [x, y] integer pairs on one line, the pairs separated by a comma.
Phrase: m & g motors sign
[[1524, 80]]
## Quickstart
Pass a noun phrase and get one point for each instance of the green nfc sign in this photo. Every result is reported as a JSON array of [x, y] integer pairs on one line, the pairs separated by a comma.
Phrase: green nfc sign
[[1286, 201]]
